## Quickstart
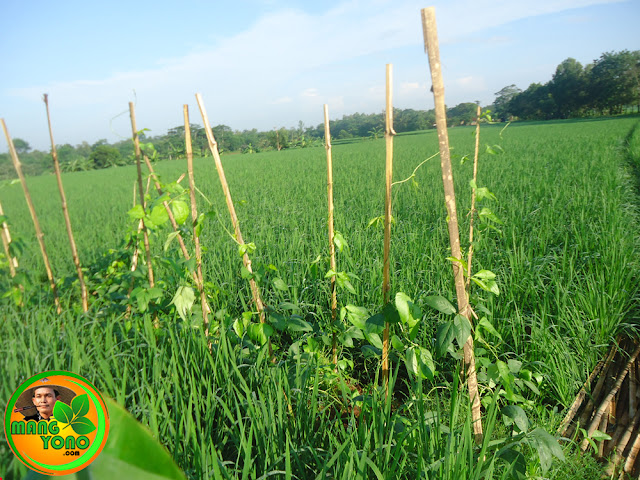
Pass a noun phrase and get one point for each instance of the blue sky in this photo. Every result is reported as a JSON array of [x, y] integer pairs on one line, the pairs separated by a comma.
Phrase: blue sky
[[265, 63]]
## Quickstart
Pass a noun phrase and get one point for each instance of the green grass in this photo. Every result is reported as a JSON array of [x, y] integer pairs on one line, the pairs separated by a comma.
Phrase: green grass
[[566, 263]]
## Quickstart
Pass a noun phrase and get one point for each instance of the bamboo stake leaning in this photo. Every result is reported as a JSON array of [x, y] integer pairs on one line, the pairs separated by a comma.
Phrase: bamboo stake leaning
[[213, 146], [604, 405], [386, 282], [332, 248], [431, 47], [575, 406], [39, 235], [604, 375], [145, 234], [6, 242], [65, 212], [194, 218]]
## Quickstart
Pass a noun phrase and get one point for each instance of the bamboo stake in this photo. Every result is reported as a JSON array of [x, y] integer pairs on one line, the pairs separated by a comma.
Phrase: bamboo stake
[[585, 417], [6, 241], [386, 282], [621, 425], [431, 46], [575, 406], [633, 454], [473, 199], [608, 398], [145, 234], [185, 253], [332, 248], [65, 212], [632, 391], [136, 250], [604, 423], [566, 427], [213, 146], [194, 218], [621, 445], [39, 235]]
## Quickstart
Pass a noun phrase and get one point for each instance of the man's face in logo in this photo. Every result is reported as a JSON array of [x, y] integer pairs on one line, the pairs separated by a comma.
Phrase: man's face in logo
[[44, 398]]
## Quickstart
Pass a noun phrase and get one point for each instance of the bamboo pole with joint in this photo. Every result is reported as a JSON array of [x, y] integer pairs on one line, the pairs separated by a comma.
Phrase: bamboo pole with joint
[[332, 248], [472, 212], [194, 218], [65, 212], [39, 235], [386, 282], [213, 146], [6, 242], [431, 47], [145, 234]]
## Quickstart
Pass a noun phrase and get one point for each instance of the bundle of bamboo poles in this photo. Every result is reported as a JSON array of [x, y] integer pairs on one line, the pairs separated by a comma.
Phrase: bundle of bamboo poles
[[609, 403]]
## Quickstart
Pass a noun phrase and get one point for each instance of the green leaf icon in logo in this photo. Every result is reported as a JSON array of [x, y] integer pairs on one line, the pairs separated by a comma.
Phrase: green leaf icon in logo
[[83, 426], [80, 405], [62, 412], [74, 415]]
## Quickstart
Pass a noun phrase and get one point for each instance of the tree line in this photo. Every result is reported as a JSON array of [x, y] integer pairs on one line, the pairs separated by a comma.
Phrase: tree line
[[609, 85], [171, 146]]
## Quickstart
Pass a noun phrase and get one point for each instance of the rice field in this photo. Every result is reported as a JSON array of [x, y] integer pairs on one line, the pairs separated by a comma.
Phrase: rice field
[[565, 255]]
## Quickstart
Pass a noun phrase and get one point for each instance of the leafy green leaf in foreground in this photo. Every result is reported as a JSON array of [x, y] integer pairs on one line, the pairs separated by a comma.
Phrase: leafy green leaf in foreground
[[130, 452]]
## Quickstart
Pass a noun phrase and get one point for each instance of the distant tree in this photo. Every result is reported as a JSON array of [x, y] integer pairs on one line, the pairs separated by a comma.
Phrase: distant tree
[[102, 141], [569, 88], [535, 103], [228, 140], [84, 149], [278, 138], [104, 156], [501, 103], [21, 146], [614, 81], [462, 114], [67, 153]]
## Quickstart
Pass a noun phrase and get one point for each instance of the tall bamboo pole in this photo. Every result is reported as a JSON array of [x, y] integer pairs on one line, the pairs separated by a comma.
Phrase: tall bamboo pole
[[431, 47], [194, 217], [6, 241], [185, 253], [473, 198], [386, 282], [39, 235], [332, 248], [65, 212], [172, 219], [136, 247], [213, 146], [145, 234]]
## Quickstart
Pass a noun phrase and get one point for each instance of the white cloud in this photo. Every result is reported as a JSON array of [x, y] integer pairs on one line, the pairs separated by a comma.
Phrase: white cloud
[[282, 100], [279, 54], [411, 87]]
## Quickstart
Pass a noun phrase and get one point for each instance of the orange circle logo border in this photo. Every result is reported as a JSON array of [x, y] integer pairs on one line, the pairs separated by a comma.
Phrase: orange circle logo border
[[72, 438]]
